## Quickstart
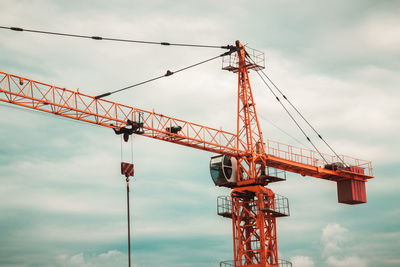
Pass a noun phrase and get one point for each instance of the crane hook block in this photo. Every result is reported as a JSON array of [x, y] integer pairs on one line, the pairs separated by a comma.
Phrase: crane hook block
[[126, 132], [127, 169], [136, 128]]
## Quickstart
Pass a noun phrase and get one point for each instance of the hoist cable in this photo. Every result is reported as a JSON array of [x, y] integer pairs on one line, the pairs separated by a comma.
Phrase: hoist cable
[[291, 116], [129, 221], [132, 148], [99, 38], [301, 115], [168, 73], [122, 152], [128, 208]]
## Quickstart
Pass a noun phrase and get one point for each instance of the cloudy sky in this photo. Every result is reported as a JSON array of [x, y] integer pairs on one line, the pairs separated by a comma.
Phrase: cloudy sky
[[62, 200]]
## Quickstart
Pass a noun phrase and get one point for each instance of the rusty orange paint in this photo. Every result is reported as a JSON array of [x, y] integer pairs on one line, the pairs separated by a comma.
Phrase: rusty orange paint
[[254, 226]]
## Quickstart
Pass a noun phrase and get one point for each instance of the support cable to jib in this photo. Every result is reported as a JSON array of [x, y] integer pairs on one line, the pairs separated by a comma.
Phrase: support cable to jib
[[297, 111], [168, 73], [99, 38], [291, 116]]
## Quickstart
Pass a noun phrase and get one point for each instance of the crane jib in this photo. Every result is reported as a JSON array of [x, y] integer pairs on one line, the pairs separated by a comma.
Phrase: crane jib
[[39, 96]]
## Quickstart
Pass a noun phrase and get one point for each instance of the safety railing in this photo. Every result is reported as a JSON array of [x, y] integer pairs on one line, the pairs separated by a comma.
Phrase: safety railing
[[224, 206], [226, 264], [255, 60], [281, 263], [310, 157], [278, 175], [279, 207]]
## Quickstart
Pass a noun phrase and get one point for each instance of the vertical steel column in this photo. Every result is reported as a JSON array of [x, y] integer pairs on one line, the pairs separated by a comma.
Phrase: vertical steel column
[[129, 221], [254, 227]]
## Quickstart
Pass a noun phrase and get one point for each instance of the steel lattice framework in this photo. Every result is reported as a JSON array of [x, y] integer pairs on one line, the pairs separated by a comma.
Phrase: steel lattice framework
[[40, 96], [76, 105], [253, 206], [254, 227]]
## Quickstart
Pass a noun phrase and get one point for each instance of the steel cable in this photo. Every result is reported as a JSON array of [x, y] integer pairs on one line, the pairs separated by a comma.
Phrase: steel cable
[[99, 38], [301, 115], [168, 73], [290, 115]]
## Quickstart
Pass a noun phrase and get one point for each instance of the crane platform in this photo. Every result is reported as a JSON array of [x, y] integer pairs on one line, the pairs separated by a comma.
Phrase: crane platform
[[280, 207]]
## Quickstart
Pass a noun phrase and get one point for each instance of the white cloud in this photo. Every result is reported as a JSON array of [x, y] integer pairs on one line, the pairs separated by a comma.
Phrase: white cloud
[[393, 261], [336, 250], [346, 262], [341, 108], [333, 235], [382, 32], [302, 261], [108, 259]]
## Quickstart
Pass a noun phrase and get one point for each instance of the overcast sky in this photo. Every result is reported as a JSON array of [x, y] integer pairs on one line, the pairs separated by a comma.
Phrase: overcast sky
[[62, 200]]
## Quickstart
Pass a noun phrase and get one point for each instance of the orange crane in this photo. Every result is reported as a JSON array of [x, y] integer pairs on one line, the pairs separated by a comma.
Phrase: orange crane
[[245, 162]]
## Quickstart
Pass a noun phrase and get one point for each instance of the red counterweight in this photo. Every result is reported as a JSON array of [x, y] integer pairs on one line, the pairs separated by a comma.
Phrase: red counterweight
[[351, 192]]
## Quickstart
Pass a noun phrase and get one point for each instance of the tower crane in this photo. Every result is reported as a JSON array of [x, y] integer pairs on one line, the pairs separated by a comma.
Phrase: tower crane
[[245, 162]]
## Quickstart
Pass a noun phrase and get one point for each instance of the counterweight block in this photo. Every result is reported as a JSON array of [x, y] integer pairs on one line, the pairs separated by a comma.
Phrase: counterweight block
[[351, 192]]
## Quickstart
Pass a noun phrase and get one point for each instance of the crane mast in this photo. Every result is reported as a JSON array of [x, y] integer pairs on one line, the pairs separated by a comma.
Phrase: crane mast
[[244, 164], [253, 223], [249, 135]]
